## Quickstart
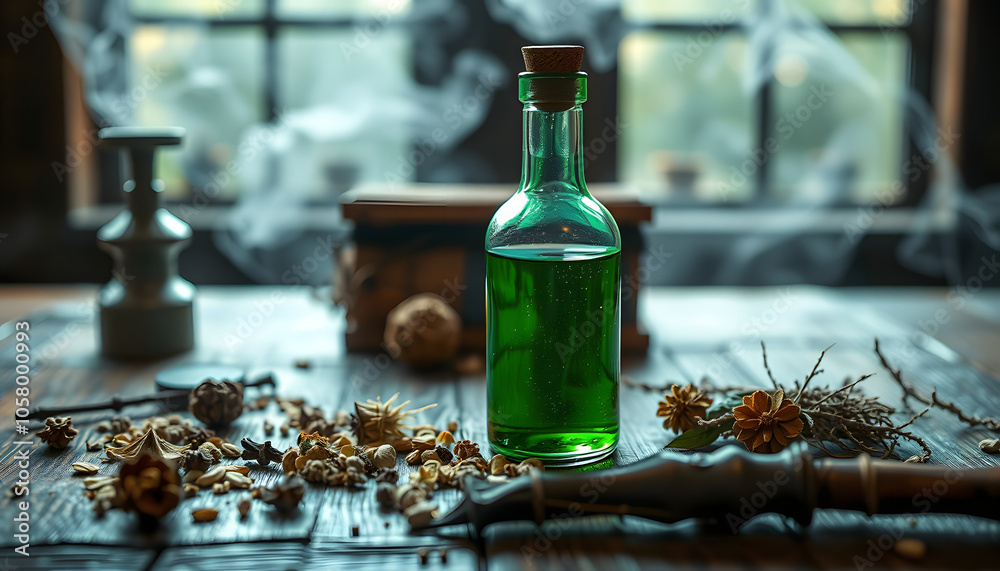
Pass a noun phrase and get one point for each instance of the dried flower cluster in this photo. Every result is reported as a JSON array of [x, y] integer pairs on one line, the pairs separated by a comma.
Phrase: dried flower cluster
[[766, 423], [683, 407], [382, 423]]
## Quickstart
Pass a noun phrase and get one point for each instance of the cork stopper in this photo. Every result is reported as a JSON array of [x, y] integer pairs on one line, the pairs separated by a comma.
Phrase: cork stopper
[[552, 59]]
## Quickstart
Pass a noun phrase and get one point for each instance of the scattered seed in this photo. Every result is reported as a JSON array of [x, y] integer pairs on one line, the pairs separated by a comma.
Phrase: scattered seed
[[230, 450], [98, 482], [355, 531], [238, 469], [85, 468], [446, 438], [93, 446], [990, 446], [244, 505], [204, 515], [303, 364], [192, 476], [284, 429], [212, 476], [268, 427], [238, 480], [191, 489], [452, 427], [219, 488]]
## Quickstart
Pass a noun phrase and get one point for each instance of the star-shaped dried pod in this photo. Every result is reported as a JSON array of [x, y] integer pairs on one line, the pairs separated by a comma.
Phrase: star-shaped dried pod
[[58, 431], [263, 454], [383, 423], [148, 443]]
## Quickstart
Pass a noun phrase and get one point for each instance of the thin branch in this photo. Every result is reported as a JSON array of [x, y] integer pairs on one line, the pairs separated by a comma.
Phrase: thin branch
[[767, 367], [816, 370]]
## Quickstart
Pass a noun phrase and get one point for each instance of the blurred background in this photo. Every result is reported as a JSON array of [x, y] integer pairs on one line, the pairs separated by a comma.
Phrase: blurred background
[[843, 143]]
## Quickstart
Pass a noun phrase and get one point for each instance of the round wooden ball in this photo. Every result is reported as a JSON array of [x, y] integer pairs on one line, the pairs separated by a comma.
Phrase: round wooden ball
[[423, 331]]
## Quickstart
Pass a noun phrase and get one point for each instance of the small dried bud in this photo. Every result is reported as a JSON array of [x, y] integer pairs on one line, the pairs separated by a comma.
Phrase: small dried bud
[[268, 427], [413, 458], [444, 454], [453, 427], [58, 431], [244, 505]]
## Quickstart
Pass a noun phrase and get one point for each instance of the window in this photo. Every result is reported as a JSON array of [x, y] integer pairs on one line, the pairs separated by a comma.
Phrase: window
[[767, 101]]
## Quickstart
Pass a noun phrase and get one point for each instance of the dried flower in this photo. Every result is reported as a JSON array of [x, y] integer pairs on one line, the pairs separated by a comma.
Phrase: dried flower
[[466, 449], [683, 407], [263, 454], [149, 443], [216, 403], [380, 422], [765, 423], [58, 431], [150, 486], [285, 495]]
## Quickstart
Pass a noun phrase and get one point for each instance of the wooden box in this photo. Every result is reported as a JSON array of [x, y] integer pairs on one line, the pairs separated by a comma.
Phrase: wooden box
[[430, 238]]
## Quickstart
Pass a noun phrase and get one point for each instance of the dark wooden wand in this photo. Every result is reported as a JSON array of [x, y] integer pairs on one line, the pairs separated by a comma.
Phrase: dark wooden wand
[[730, 486]]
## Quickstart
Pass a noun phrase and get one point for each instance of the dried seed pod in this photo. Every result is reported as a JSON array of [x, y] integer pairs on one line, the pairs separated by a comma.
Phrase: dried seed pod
[[99, 482], [413, 458], [219, 488], [190, 489], [216, 403], [498, 464], [403, 445], [384, 457], [58, 431], [245, 470], [409, 494], [288, 460], [211, 477], [85, 468], [453, 427], [466, 449], [192, 476], [204, 515], [990, 446], [428, 455], [444, 454], [284, 428], [446, 438], [268, 427], [263, 454], [230, 450], [210, 449]]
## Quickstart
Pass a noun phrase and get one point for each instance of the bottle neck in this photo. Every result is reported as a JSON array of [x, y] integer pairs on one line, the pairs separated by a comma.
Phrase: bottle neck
[[553, 150]]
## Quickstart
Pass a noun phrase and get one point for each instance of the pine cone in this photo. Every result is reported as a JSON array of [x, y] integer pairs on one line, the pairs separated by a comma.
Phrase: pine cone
[[765, 424], [58, 431], [683, 407], [150, 486], [216, 403]]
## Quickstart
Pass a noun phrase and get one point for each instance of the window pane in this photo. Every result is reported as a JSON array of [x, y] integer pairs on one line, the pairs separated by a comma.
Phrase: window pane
[[881, 12], [207, 81], [839, 122], [197, 8], [687, 119], [341, 8], [353, 106], [686, 10]]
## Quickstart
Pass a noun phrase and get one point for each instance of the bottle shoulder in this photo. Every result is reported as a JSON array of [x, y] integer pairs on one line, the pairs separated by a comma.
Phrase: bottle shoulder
[[552, 215]]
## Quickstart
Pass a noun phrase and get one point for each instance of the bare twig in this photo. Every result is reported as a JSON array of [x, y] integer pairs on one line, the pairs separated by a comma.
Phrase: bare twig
[[933, 400], [816, 370], [767, 367], [717, 421]]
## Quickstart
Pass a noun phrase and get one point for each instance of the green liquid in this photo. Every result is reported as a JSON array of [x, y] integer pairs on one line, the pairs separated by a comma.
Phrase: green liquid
[[553, 352]]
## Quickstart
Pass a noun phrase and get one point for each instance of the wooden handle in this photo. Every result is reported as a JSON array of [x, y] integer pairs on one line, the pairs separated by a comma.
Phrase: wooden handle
[[552, 59]]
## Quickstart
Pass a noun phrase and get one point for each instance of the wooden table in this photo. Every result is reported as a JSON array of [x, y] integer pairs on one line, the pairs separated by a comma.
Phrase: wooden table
[[695, 332]]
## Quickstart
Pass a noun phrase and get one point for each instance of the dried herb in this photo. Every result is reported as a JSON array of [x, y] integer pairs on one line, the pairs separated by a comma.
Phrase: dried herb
[[58, 431], [149, 443], [263, 454]]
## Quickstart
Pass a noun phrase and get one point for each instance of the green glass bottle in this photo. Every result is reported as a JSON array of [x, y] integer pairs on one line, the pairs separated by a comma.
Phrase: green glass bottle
[[553, 286]]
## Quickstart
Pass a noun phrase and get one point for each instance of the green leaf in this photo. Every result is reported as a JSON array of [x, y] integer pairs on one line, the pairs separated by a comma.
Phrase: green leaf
[[700, 436]]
